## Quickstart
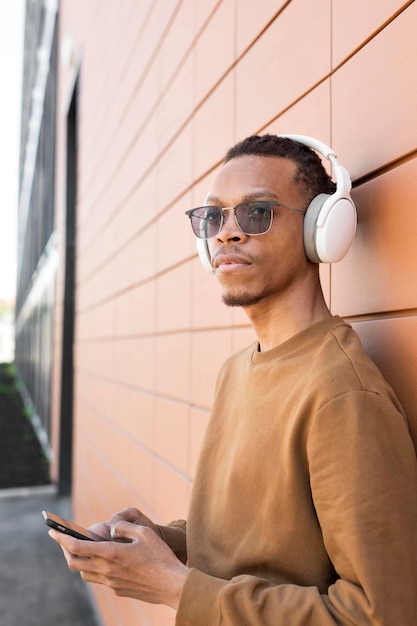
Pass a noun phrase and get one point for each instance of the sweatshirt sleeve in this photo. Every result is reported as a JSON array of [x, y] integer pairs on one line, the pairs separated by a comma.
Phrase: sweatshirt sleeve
[[363, 476], [174, 535]]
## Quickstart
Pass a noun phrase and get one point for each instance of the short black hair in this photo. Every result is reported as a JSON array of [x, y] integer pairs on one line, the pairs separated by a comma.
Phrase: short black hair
[[310, 174]]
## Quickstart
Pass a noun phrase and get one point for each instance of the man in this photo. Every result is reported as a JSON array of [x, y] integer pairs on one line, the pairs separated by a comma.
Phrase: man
[[304, 507]]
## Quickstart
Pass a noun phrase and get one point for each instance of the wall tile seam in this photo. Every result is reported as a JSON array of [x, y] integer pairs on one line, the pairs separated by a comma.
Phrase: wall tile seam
[[149, 452], [140, 391], [94, 273], [129, 60], [124, 201], [293, 103], [371, 37], [163, 91], [87, 480], [136, 499], [88, 242], [224, 76], [384, 169], [86, 341], [332, 72], [130, 147], [263, 30], [186, 53], [221, 78], [241, 56], [377, 316], [157, 334], [186, 404], [174, 137], [128, 486]]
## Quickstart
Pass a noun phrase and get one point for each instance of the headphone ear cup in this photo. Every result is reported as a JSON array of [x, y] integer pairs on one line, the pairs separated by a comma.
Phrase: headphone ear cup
[[310, 226], [204, 254], [329, 228]]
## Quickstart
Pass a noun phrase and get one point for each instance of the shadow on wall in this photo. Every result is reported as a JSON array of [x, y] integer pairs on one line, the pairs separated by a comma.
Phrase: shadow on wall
[[388, 343]]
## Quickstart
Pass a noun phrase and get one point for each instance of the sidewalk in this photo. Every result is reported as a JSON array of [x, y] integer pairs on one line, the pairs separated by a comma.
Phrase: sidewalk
[[36, 587]]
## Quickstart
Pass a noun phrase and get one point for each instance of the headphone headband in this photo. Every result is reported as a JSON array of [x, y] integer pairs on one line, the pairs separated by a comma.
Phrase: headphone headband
[[311, 142], [330, 219]]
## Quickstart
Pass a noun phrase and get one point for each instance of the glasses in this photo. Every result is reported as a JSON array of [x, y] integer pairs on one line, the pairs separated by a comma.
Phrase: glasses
[[252, 218]]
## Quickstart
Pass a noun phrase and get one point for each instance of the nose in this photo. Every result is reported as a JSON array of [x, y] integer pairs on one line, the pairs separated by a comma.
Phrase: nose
[[230, 231]]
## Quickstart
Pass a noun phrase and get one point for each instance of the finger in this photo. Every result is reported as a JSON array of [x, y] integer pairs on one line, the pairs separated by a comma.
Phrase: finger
[[74, 562], [102, 529], [101, 579], [125, 531], [78, 547], [61, 538], [129, 514], [77, 563]]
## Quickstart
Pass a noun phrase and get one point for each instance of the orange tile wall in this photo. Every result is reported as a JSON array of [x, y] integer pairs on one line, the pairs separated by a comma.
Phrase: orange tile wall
[[166, 86]]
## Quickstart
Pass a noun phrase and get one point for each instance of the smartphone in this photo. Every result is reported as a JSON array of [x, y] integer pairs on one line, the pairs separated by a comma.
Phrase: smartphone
[[69, 528]]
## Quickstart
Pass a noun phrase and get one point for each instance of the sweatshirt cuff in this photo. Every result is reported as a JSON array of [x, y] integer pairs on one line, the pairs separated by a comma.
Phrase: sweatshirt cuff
[[199, 603], [175, 537]]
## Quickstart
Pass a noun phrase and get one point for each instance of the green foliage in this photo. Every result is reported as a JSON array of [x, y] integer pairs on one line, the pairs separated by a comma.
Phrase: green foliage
[[23, 461], [8, 379]]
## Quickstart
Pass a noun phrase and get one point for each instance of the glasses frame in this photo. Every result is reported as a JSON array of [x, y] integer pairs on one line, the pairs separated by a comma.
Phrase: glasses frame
[[269, 203]]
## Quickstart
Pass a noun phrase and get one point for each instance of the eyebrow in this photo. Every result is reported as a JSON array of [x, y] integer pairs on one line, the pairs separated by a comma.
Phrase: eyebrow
[[255, 195]]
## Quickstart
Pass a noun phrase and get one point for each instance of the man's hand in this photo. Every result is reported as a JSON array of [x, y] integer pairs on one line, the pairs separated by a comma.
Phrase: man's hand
[[129, 514], [145, 568]]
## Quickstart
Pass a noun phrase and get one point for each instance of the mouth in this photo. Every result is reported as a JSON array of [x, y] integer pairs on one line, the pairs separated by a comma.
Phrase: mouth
[[230, 262]]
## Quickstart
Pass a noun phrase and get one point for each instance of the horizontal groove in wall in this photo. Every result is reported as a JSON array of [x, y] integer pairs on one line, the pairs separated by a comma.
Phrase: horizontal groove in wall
[[385, 168], [372, 36], [82, 372], [136, 496], [157, 334], [124, 433], [383, 315], [114, 256], [151, 166]]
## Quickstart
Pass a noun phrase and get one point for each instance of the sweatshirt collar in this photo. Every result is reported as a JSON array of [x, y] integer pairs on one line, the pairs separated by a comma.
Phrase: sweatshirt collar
[[307, 336]]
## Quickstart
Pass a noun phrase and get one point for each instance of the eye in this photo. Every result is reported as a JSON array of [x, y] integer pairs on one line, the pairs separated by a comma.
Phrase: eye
[[258, 211], [212, 214]]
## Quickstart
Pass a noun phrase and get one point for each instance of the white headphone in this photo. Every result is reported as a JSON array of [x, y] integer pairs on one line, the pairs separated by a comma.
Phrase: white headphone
[[329, 221]]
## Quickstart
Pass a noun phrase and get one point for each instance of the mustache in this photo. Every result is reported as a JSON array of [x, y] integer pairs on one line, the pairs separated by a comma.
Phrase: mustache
[[234, 249]]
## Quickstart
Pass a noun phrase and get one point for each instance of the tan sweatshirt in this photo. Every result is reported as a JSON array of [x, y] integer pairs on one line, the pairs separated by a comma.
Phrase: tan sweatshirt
[[304, 507]]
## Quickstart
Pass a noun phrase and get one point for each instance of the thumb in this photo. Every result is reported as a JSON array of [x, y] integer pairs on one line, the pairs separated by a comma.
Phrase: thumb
[[124, 531]]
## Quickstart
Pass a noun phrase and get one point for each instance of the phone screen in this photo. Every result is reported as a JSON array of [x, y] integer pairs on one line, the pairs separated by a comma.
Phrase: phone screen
[[69, 528]]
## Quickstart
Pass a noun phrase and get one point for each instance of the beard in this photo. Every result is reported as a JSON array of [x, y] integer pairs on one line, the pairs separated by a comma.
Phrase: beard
[[245, 299]]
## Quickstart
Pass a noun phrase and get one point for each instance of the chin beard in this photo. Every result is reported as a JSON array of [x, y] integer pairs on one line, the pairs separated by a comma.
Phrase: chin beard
[[244, 299]]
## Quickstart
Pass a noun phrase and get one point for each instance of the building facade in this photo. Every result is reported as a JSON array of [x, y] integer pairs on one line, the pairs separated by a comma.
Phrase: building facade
[[150, 95], [37, 258], [6, 331]]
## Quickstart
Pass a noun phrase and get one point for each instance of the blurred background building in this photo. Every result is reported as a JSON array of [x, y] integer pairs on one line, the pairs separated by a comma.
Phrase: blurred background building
[[128, 108], [37, 250], [11, 48], [6, 331]]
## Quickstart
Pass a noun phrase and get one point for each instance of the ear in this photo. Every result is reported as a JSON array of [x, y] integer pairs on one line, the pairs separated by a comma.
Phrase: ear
[[330, 220]]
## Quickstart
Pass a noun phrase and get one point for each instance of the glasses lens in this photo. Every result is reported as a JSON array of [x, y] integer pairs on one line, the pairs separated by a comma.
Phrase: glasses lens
[[254, 218], [206, 221]]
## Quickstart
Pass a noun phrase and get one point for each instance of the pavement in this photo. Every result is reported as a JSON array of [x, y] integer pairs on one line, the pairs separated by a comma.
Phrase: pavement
[[36, 587]]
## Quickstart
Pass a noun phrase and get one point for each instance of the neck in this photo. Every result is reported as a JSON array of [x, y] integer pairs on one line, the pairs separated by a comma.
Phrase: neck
[[277, 321]]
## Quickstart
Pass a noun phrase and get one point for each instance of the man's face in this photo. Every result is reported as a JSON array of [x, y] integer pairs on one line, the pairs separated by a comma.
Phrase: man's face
[[253, 269]]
